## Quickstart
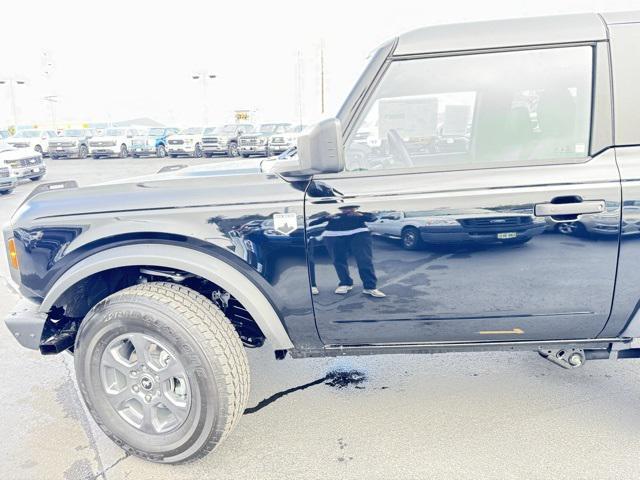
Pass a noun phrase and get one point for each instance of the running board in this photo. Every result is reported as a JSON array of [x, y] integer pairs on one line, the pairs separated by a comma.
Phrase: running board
[[442, 347]]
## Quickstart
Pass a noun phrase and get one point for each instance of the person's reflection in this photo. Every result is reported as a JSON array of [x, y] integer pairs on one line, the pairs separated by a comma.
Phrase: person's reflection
[[347, 232]]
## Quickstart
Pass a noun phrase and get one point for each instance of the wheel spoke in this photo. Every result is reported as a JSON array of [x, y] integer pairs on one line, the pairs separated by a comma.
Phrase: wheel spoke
[[180, 410], [170, 371], [147, 418], [109, 360], [141, 344], [117, 399]]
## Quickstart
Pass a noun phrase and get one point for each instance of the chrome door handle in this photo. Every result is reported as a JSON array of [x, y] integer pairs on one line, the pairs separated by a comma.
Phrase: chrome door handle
[[575, 208]]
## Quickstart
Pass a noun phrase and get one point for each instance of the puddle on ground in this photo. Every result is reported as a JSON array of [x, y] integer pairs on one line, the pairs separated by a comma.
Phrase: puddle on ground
[[335, 379]]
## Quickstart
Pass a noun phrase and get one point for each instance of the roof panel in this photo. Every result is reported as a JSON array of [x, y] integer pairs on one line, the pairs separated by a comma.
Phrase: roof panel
[[503, 33]]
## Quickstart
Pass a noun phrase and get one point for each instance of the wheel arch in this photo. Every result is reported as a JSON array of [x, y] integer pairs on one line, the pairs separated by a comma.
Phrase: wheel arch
[[185, 259]]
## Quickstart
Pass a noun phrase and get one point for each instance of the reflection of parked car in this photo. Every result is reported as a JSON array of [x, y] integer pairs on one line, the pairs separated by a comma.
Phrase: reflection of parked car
[[4, 135], [8, 180], [72, 143], [281, 142], [450, 227], [224, 140], [256, 143], [26, 164], [152, 143], [37, 140], [186, 142], [114, 142]]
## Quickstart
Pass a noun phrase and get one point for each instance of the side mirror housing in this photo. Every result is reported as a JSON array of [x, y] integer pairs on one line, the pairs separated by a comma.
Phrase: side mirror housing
[[320, 150]]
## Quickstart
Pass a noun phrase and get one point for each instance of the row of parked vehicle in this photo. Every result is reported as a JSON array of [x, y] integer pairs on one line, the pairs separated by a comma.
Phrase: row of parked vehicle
[[230, 140]]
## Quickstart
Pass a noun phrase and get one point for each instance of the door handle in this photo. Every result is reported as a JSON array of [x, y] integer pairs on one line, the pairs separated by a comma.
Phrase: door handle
[[573, 208]]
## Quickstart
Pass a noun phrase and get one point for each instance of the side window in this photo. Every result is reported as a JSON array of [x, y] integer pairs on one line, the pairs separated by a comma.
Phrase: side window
[[476, 110]]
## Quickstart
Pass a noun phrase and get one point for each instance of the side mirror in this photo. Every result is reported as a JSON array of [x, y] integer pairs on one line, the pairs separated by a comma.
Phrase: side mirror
[[320, 150]]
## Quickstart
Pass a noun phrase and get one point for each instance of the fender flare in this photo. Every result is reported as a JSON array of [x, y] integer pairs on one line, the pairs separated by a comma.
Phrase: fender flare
[[206, 266]]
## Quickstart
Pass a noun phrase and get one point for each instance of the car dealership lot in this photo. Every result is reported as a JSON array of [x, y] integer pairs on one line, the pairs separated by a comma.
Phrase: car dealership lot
[[489, 415]]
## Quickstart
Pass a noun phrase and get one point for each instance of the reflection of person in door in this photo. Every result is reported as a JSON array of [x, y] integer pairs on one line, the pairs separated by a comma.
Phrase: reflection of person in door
[[347, 232]]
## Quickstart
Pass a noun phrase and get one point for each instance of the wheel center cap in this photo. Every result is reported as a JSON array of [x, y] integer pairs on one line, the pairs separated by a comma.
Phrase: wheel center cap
[[146, 383]]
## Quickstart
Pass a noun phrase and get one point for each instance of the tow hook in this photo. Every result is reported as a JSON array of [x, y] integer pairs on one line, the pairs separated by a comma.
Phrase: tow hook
[[564, 357]]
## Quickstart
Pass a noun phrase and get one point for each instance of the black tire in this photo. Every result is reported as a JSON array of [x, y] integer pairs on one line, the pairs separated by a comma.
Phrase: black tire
[[135, 156], [201, 344], [208, 155], [233, 149], [173, 155], [410, 238], [83, 151], [53, 157], [37, 179], [161, 152], [6, 192], [197, 153], [95, 157], [245, 155], [124, 153], [570, 228], [38, 149]]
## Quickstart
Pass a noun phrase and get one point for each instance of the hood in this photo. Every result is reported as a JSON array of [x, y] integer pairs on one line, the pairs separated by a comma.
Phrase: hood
[[179, 136], [17, 154], [20, 140], [65, 139], [106, 138], [190, 187]]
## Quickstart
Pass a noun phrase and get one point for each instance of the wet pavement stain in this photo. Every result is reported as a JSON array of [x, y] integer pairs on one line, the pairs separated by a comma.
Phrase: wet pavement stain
[[335, 378], [342, 457]]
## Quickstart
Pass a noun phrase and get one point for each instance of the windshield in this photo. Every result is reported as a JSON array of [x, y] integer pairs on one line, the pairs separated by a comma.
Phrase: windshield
[[156, 131], [27, 134], [114, 132], [273, 127], [74, 133], [209, 131], [191, 131], [227, 129]]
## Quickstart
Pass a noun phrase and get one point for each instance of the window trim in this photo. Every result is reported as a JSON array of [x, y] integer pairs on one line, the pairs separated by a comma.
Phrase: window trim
[[596, 66]]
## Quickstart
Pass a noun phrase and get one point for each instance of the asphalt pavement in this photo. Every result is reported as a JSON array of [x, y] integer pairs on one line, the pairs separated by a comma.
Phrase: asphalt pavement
[[473, 415]]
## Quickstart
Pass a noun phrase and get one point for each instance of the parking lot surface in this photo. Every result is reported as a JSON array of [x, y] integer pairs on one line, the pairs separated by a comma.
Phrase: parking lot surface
[[476, 415]]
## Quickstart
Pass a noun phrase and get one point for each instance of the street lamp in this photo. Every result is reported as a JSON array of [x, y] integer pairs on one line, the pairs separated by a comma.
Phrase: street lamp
[[10, 82], [204, 77]]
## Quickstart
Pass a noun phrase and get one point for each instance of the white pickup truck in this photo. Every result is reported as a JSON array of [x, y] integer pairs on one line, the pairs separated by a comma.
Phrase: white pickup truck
[[116, 142], [187, 141]]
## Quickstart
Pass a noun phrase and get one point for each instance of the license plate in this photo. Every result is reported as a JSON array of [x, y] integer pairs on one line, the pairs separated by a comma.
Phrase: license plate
[[36, 170], [59, 148], [138, 149], [506, 235]]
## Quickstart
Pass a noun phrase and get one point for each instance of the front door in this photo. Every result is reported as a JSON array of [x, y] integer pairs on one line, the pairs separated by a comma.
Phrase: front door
[[470, 209]]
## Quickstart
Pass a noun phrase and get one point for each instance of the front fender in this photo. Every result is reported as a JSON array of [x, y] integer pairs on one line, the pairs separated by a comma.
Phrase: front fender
[[180, 258]]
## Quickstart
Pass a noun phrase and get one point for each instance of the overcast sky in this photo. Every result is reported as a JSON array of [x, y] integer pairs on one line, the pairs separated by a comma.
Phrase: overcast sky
[[117, 60]]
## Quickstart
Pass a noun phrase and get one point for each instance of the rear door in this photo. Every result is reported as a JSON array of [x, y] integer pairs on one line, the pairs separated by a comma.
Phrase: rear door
[[504, 228]]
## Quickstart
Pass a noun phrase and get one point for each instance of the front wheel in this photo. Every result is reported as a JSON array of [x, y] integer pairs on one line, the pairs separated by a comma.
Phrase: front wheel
[[411, 239], [124, 152], [83, 152], [233, 149], [161, 152], [197, 153], [162, 371]]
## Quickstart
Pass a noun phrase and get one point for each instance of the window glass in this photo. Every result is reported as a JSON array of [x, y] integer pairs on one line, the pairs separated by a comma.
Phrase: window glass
[[475, 110]]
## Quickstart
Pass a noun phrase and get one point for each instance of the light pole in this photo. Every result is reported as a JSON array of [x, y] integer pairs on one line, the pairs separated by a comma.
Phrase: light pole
[[204, 77], [52, 100], [11, 82]]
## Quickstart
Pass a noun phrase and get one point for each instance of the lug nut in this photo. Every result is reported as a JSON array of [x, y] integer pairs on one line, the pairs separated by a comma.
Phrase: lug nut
[[147, 398], [136, 388], [134, 373]]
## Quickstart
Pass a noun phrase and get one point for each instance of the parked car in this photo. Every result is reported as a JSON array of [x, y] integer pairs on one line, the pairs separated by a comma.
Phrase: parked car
[[8, 179], [224, 140], [153, 142], [281, 142], [26, 164], [34, 139], [149, 282], [448, 227], [114, 142], [187, 141], [256, 142], [72, 143]]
